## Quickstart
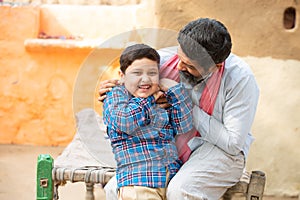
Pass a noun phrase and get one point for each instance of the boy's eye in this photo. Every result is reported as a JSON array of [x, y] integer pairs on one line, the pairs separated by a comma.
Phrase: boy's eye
[[152, 73], [137, 73]]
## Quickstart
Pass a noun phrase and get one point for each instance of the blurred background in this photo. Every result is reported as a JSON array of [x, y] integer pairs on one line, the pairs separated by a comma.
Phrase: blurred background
[[54, 52]]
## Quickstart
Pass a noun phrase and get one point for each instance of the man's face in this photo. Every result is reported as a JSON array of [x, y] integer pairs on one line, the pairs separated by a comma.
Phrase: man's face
[[141, 78], [191, 67]]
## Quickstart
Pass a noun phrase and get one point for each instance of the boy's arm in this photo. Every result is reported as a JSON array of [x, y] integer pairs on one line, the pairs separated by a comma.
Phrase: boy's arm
[[125, 113], [180, 109]]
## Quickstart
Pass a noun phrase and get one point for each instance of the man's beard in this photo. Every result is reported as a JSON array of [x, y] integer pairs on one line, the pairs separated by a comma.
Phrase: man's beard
[[186, 77]]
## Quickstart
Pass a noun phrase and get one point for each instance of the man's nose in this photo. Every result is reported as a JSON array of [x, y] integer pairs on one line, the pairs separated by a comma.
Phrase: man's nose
[[181, 66]]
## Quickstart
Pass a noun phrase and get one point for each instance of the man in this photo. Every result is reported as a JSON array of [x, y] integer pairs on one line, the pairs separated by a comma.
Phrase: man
[[225, 95]]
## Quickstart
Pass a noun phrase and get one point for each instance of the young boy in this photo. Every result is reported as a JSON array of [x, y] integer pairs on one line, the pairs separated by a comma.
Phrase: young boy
[[142, 134]]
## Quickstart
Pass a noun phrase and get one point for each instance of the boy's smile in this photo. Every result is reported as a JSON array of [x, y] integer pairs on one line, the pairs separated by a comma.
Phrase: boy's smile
[[141, 78]]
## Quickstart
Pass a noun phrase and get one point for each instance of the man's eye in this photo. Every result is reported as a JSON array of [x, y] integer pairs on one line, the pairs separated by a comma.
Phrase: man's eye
[[190, 66]]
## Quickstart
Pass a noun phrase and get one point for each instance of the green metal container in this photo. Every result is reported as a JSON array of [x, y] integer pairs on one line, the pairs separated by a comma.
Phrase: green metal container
[[44, 182]]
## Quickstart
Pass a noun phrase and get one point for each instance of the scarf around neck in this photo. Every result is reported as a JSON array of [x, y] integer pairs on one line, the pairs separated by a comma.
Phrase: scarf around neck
[[206, 102]]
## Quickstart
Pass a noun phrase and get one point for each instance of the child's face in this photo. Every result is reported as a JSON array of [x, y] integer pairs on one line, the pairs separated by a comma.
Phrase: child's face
[[141, 78]]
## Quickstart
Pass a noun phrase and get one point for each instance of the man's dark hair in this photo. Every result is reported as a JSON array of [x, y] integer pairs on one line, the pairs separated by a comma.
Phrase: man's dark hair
[[135, 52], [206, 41]]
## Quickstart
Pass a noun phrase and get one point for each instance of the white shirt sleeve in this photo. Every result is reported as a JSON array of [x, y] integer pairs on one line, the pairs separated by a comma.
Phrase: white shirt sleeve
[[238, 115]]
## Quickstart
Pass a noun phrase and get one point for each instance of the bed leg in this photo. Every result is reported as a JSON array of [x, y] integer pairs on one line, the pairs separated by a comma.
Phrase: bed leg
[[89, 191], [256, 186]]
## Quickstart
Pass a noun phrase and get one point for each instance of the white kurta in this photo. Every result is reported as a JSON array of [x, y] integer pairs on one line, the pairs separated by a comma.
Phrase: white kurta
[[218, 163]]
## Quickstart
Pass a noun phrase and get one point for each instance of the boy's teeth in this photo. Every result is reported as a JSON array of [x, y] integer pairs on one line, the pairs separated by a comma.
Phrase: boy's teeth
[[144, 86]]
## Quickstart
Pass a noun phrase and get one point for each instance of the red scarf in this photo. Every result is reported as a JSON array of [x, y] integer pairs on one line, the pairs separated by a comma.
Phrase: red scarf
[[169, 69], [206, 102]]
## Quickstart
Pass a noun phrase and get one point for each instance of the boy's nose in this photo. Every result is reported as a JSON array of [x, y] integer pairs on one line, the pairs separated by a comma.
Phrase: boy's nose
[[145, 78]]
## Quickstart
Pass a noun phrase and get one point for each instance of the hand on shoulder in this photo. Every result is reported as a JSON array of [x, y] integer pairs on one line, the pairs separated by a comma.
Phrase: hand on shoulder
[[166, 84], [106, 86]]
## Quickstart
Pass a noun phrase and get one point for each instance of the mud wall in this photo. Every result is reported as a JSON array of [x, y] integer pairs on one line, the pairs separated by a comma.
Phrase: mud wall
[[258, 28], [36, 86], [43, 48]]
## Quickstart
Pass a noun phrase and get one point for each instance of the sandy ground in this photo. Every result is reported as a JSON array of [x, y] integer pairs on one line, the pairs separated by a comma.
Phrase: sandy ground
[[18, 175]]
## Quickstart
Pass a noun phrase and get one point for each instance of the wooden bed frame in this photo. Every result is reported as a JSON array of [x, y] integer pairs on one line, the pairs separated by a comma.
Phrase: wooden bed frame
[[49, 178]]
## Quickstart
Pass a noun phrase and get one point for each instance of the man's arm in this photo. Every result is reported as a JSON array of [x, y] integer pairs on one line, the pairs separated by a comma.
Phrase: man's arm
[[238, 115]]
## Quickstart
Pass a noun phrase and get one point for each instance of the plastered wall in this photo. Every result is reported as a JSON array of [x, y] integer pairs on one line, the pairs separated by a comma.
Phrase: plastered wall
[[38, 75], [257, 27], [36, 86]]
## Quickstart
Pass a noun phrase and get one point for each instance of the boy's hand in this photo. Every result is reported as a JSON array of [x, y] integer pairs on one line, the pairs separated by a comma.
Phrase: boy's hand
[[159, 94], [161, 99], [164, 85], [162, 102], [106, 86]]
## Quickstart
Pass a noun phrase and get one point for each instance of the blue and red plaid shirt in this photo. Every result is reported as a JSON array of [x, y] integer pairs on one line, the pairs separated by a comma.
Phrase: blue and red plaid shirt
[[143, 135]]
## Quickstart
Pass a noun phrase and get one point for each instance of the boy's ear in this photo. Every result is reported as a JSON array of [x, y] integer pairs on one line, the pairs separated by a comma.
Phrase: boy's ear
[[121, 74]]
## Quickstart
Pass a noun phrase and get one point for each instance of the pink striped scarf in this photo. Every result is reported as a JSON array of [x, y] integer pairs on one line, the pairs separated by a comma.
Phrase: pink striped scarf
[[207, 101]]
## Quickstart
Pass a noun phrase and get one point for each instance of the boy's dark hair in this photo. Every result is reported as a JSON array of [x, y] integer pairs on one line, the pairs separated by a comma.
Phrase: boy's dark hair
[[206, 41], [135, 52]]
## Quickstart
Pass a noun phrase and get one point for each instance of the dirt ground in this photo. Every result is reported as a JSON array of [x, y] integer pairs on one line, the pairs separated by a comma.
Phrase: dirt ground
[[18, 175]]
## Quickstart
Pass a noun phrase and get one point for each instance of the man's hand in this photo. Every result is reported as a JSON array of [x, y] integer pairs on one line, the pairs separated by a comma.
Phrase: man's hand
[[166, 84], [106, 86]]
